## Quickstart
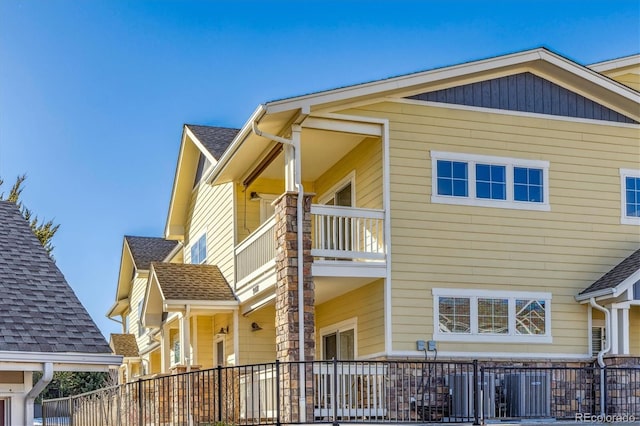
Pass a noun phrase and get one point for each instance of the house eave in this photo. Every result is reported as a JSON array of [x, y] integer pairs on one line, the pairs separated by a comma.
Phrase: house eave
[[63, 361]]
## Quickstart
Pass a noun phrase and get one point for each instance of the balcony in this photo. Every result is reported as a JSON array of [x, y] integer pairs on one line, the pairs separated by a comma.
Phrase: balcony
[[342, 238]]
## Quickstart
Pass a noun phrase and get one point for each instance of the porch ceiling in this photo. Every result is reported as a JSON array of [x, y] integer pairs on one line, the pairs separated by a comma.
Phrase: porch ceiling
[[320, 150], [327, 288]]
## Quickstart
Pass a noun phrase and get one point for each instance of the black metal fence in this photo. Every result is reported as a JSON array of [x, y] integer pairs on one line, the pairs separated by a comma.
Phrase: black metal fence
[[355, 392]]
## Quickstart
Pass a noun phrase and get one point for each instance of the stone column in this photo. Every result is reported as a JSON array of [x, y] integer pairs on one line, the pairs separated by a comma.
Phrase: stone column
[[287, 310]]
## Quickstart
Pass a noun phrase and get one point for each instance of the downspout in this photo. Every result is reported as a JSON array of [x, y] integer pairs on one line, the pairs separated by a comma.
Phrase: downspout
[[607, 348], [47, 376], [294, 142]]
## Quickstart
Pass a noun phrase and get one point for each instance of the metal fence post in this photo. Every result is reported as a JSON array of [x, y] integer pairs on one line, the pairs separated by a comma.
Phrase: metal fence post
[[476, 394], [71, 411], [219, 393], [604, 408], [278, 421], [140, 416], [334, 393]]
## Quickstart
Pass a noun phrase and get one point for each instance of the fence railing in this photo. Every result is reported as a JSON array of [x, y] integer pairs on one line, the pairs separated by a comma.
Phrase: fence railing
[[347, 233], [356, 392]]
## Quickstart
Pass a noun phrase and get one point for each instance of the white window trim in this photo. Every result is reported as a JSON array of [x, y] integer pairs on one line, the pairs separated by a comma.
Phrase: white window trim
[[624, 219], [470, 199], [216, 341], [195, 240], [474, 336], [342, 326], [331, 192]]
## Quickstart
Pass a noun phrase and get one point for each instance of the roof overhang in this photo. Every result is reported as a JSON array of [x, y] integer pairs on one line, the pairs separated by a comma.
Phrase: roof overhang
[[125, 278], [610, 293], [200, 305], [612, 64], [277, 116], [118, 308], [62, 361], [190, 150]]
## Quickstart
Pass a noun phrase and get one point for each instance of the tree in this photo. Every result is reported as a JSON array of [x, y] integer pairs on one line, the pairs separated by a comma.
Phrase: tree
[[43, 230]]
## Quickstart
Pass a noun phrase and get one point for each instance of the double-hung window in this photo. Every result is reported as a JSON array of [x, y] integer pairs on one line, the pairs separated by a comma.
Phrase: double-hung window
[[630, 196], [199, 250], [488, 181], [492, 316]]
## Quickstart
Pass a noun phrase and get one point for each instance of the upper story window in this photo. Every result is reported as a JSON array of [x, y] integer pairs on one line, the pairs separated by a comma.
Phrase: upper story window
[[199, 250], [141, 329], [492, 316], [630, 196], [488, 181]]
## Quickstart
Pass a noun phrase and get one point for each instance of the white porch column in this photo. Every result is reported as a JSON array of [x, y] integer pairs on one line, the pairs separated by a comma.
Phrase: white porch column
[[623, 331], [185, 341], [289, 169], [165, 350], [614, 331]]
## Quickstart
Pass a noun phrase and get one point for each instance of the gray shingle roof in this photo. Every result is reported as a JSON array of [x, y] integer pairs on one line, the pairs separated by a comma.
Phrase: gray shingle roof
[[215, 139], [149, 249], [182, 281], [39, 312], [617, 275], [125, 345]]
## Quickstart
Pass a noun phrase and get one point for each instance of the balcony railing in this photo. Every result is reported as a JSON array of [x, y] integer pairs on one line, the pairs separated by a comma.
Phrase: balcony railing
[[257, 253], [348, 233], [338, 233]]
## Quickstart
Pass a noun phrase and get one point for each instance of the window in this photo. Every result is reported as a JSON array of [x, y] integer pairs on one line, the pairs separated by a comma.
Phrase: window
[[480, 180], [339, 340], [491, 316], [175, 347], [141, 329], [199, 250], [220, 352], [630, 196]]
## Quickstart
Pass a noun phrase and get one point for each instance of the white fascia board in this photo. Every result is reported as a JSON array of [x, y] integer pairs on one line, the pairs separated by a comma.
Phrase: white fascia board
[[235, 144], [173, 252], [167, 227], [584, 298], [404, 81], [407, 81], [615, 63], [60, 358], [179, 305], [494, 355]]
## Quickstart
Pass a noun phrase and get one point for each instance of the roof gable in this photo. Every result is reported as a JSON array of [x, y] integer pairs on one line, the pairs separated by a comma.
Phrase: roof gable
[[145, 250], [183, 281], [197, 141], [524, 92], [39, 312], [125, 345], [624, 274]]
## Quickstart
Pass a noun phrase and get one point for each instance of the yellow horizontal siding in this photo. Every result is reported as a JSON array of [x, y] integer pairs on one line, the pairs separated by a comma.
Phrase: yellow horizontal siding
[[138, 290], [204, 343], [258, 346], [211, 211], [561, 251], [365, 303], [634, 330]]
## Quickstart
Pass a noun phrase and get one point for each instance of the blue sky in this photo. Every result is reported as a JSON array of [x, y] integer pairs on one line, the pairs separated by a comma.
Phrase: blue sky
[[93, 94]]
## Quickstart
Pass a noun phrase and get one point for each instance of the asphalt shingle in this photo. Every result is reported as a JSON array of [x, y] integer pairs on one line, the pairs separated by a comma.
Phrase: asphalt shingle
[[125, 345], [617, 275], [180, 281], [215, 139], [39, 312], [149, 249]]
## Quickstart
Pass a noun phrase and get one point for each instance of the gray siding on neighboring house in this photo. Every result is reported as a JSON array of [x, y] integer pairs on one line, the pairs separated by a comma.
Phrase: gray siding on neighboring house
[[524, 92]]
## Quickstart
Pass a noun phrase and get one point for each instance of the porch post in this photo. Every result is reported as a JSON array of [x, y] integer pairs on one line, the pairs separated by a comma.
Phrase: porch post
[[623, 331], [286, 302], [614, 331], [165, 350]]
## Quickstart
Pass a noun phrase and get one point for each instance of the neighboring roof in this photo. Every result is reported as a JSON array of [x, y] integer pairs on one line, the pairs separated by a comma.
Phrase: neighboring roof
[[617, 275], [39, 312], [215, 139], [180, 281], [145, 250], [125, 345], [624, 61]]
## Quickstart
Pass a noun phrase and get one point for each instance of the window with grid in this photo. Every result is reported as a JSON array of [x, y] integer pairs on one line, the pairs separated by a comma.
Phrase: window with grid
[[491, 315], [199, 250], [489, 181]]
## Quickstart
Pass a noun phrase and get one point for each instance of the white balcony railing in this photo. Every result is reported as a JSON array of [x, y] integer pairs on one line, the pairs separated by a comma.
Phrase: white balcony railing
[[256, 253], [349, 390], [348, 233]]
